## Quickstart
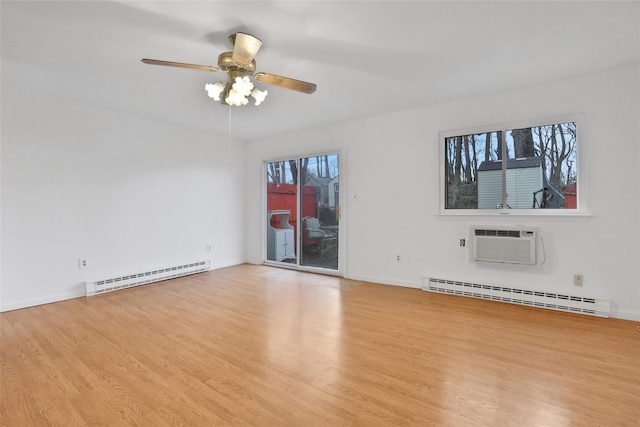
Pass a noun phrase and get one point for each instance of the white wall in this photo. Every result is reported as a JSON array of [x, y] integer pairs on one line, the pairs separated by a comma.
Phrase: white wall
[[124, 192], [391, 186]]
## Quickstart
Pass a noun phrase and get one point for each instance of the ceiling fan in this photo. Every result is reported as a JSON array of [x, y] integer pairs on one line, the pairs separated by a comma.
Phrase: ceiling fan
[[240, 64]]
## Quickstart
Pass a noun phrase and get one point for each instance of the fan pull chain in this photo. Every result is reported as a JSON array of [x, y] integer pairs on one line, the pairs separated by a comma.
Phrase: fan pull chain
[[229, 138]]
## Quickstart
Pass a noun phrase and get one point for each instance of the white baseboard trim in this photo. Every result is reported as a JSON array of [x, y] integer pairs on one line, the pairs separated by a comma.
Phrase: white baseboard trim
[[32, 302], [41, 301], [382, 281], [614, 314], [215, 266], [626, 315], [17, 305]]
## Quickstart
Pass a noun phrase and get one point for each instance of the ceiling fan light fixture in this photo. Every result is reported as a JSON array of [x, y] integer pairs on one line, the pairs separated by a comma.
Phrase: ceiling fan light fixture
[[259, 95], [235, 92], [243, 85], [235, 98], [214, 90]]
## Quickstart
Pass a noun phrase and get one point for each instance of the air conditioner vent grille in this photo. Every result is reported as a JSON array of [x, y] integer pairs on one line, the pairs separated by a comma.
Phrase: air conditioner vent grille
[[497, 233]]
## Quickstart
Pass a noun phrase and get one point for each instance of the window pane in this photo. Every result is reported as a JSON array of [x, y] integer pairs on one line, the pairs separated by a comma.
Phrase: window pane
[[541, 170], [282, 210], [285, 172], [466, 156], [320, 211]]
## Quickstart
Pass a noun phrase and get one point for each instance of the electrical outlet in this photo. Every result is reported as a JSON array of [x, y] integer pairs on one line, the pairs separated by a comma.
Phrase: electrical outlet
[[82, 263], [209, 247], [578, 280], [463, 243], [397, 258]]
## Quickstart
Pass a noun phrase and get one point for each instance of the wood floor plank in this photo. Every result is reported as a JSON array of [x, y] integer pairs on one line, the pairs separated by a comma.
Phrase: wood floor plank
[[256, 345]]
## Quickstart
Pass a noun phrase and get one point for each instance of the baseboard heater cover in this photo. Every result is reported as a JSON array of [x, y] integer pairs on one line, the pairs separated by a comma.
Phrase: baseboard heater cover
[[550, 300], [138, 279]]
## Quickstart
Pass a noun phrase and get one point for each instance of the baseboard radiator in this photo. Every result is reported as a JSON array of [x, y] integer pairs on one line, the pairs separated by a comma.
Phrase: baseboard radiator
[[549, 300], [137, 279]]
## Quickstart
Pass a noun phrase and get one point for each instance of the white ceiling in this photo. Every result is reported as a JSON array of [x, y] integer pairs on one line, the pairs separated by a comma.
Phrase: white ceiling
[[367, 57]]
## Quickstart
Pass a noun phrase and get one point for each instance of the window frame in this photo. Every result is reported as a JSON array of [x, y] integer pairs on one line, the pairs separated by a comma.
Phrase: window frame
[[581, 190]]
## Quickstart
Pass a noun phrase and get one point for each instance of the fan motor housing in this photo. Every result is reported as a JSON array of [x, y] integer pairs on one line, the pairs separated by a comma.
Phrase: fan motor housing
[[226, 63]]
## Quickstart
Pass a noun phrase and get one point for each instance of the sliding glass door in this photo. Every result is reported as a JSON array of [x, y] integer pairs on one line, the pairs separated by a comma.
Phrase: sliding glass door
[[303, 212]]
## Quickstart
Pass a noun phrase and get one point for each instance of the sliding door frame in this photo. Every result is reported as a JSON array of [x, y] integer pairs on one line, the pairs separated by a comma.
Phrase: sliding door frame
[[342, 244]]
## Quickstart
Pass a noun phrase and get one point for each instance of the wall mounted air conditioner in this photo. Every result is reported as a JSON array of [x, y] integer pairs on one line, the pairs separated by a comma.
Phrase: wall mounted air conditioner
[[511, 245]]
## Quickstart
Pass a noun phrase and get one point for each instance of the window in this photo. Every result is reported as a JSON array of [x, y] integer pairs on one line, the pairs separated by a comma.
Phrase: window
[[531, 167]]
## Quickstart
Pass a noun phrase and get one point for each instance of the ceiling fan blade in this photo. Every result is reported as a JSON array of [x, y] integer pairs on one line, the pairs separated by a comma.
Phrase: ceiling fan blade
[[179, 64], [286, 82], [245, 47]]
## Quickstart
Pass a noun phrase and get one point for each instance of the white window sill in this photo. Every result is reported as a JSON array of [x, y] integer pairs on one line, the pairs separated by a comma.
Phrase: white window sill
[[515, 212]]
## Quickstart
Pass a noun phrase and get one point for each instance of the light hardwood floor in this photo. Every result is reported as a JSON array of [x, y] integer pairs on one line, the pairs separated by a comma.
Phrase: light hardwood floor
[[260, 346]]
